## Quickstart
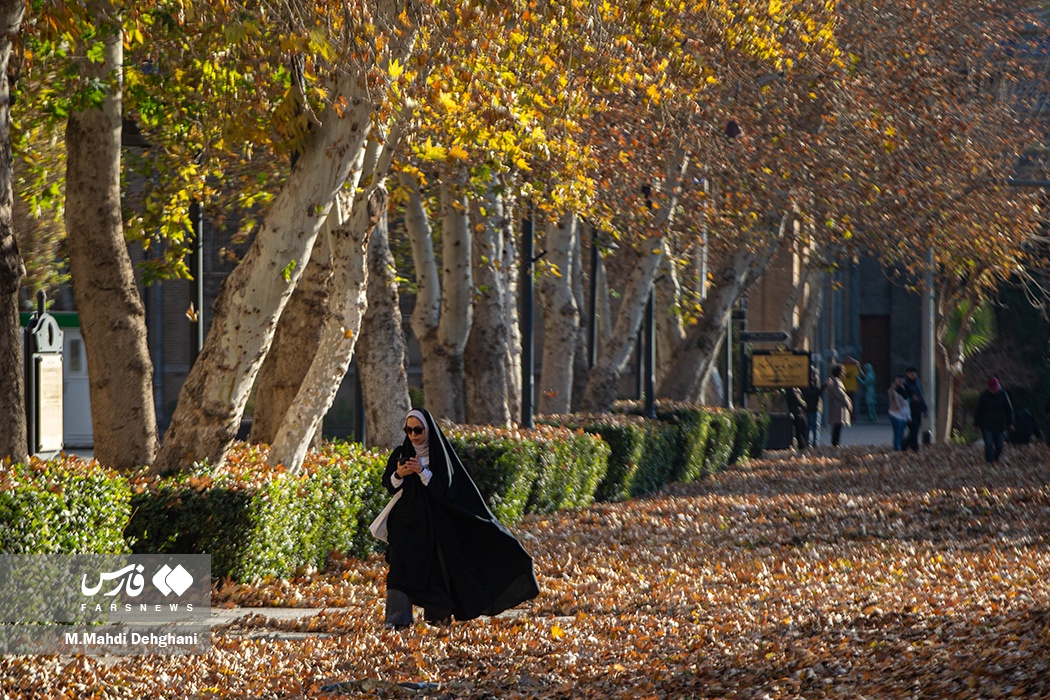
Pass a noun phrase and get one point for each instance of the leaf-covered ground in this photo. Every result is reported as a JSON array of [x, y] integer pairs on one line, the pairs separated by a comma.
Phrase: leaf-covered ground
[[841, 574]]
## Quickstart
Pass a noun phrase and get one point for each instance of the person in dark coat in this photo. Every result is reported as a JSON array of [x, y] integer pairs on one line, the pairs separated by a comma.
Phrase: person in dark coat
[[811, 394], [796, 406], [447, 552], [917, 406], [994, 415]]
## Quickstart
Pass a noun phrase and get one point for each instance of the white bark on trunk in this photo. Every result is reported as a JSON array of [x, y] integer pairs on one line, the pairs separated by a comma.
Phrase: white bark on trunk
[[486, 348], [669, 329], [297, 336], [605, 375], [441, 319], [381, 349], [446, 396], [511, 269], [347, 306], [950, 362], [255, 293], [113, 317], [561, 316], [426, 315]]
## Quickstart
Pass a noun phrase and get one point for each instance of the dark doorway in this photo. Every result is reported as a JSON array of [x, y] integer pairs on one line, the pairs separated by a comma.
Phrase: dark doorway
[[875, 348]]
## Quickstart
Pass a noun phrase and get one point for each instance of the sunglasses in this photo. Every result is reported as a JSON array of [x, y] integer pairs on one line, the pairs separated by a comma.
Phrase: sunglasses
[[417, 429]]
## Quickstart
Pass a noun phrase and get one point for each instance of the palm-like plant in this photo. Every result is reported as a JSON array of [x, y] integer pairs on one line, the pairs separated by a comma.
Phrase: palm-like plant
[[968, 330]]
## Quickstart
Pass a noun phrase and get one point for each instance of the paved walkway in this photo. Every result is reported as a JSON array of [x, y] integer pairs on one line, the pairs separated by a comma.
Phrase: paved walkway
[[863, 432]]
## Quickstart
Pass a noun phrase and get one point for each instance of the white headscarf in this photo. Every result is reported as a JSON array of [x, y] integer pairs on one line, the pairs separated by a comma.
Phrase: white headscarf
[[424, 449]]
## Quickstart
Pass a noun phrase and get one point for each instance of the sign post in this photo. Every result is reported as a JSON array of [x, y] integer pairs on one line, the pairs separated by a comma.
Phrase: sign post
[[43, 381]]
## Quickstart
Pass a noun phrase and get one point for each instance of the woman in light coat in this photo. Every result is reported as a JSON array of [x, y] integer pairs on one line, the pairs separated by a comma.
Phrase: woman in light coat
[[900, 412], [840, 406]]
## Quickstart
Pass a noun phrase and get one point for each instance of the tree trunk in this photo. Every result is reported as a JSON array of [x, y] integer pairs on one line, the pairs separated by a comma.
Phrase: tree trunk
[[339, 335], [381, 349], [694, 361], [669, 330], [581, 359], [255, 293], [510, 269], [950, 361], [299, 330], [426, 316], [605, 375], [112, 315], [13, 438], [486, 347], [296, 339], [443, 370], [561, 316]]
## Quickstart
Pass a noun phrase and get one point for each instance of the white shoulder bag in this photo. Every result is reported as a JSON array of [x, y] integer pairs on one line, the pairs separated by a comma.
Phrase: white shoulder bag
[[378, 526]]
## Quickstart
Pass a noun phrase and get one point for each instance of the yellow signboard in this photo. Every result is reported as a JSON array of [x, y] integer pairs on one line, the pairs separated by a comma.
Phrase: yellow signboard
[[849, 376], [779, 370]]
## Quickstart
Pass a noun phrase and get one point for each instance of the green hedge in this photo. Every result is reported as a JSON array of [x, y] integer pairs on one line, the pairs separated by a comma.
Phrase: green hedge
[[752, 429], [692, 426], [571, 466], [720, 441], [257, 521], [503, 464], [62, 506], [642, 453]]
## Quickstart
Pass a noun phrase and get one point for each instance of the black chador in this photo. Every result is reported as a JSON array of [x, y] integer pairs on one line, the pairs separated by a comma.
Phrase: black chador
[[447, 552]]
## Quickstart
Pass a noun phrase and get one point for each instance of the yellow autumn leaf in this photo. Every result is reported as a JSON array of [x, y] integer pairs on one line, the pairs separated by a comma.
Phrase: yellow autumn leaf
[[430, 151], [557, 632], [458, 153]]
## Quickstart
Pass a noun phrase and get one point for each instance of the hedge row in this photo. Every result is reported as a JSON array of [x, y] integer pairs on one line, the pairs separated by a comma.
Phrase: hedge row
[[258, 521], [55, 506]]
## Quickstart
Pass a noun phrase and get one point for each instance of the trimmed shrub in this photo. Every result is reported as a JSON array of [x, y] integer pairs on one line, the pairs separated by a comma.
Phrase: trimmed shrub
[[626, 440], [68, 506], [642, 453], [259, 521], [692, 427], [660, 456], [751, 431], [720, 441], [571, 466], [504, 464]]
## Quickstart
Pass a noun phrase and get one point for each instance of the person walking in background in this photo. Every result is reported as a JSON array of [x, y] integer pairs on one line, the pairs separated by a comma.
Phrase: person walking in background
[[994, 415], [899, 411], [797, 411], [840, 406], [916, 405], [811, 394], [867, 380]]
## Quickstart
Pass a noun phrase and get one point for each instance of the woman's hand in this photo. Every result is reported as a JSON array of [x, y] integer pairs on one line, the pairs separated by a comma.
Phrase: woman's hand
[[410, 466]]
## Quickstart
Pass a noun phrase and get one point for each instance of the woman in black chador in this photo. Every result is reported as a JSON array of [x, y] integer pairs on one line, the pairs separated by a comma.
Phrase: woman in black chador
[[448, 553]]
